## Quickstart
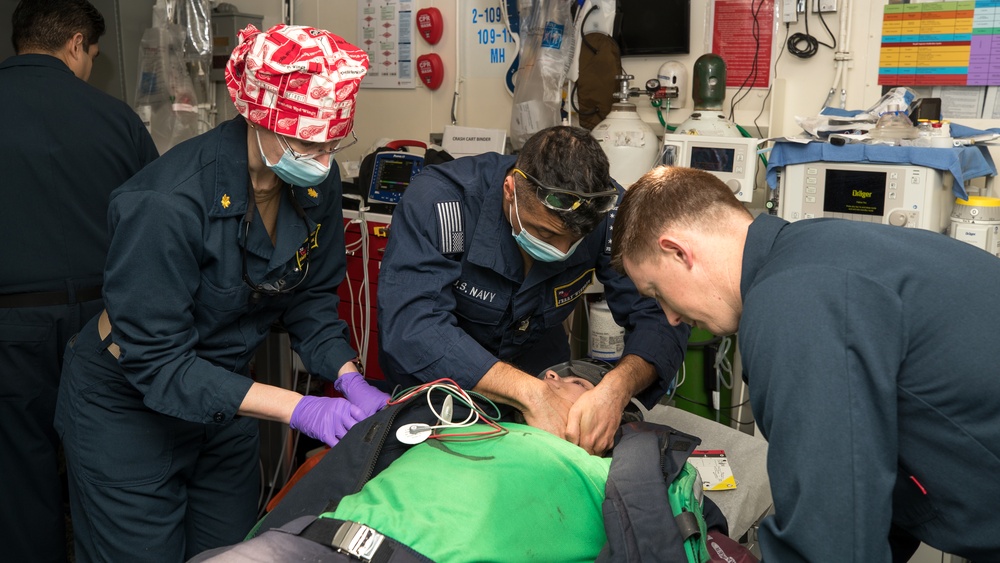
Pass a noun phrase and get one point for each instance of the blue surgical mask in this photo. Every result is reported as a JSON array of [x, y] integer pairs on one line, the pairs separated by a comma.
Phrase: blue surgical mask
[[306, 172], [535, 247]]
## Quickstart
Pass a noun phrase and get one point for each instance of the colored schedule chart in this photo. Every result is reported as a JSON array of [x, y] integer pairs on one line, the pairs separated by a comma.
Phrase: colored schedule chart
[[941, 44]]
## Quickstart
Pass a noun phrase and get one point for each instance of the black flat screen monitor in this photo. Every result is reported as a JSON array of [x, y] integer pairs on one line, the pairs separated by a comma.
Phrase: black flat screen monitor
[[854, 191], [653, 27]]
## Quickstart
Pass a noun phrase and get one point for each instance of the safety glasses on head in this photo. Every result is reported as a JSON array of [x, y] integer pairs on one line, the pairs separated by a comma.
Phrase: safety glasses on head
[[312, 155], [560, 199]]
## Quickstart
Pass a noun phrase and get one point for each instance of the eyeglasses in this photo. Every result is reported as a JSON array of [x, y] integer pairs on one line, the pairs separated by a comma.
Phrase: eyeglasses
[[309, 156], [282, 284], [559, 199]]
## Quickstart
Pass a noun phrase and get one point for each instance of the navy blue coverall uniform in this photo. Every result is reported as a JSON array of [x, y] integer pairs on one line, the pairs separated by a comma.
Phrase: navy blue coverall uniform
[[453, 297], [66, 146], [872, 360], [156, 451]]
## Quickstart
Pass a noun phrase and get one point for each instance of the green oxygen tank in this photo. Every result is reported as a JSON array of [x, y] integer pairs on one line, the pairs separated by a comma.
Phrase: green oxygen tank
[[709, 82], [708, 92]]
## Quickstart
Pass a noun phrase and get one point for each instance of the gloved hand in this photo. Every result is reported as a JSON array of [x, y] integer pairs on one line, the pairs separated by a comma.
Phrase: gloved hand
[[353, 386], [325, 418]]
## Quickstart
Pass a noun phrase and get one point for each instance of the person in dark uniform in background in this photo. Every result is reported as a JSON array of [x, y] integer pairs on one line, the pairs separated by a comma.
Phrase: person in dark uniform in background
[[486, 257], [66, 145], [224, 235]]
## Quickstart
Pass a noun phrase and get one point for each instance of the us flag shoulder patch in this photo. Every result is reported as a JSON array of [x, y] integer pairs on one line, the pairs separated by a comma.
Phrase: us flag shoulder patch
[[451, 231]]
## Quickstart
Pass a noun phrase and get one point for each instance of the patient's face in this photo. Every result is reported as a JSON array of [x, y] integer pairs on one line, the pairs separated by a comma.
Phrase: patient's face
[[569, 388]]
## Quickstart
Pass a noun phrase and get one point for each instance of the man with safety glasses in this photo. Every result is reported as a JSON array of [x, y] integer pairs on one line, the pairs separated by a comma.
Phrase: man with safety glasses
[[486, 259]]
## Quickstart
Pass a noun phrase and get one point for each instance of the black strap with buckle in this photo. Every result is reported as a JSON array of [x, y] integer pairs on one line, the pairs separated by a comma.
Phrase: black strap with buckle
[[49, 298], [360, 542]]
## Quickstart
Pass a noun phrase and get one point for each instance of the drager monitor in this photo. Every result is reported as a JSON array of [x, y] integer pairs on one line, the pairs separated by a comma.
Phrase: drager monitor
[[732, 159], [893, 194]]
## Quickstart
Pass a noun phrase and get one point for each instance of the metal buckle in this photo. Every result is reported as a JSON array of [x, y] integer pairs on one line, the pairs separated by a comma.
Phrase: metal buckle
[[357, 540]]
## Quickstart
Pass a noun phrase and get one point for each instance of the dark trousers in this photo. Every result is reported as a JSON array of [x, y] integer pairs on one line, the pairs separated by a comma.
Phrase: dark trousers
[[145, 486], [32, 339]]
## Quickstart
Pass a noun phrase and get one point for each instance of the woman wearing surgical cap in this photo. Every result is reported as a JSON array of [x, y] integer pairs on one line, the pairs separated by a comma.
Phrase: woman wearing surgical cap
[[219, 239]]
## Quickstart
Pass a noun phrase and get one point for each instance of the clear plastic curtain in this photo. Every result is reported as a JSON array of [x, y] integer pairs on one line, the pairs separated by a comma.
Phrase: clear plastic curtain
[[174, 58], [547, 45]]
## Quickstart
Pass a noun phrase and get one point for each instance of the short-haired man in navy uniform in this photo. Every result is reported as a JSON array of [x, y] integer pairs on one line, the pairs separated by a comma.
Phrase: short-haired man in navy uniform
[[486, 258], [66, 146]]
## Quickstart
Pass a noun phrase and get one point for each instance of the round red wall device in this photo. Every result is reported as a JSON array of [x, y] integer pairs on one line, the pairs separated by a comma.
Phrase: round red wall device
[[430, 24], [431, 70]]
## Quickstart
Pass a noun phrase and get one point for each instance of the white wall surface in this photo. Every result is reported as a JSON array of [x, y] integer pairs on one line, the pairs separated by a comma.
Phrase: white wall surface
[[799, 85]]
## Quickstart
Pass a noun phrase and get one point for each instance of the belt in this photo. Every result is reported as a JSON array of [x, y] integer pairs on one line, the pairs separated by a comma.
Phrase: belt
[[49, 298], [360, 541], [104, 331]]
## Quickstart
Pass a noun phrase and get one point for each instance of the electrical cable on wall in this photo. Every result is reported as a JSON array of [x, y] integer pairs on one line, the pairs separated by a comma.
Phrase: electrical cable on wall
[[751, 77], [770, 85], [811, 43]]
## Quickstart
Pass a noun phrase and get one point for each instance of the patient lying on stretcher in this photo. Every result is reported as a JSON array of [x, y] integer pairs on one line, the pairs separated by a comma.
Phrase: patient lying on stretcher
[[485, 492]]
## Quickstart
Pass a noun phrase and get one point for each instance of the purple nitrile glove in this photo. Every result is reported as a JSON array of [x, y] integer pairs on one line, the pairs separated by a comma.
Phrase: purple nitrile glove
[[353, 386], [325, 418]]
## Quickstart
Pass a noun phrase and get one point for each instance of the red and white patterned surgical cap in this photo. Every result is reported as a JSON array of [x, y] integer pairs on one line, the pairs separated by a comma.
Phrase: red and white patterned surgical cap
[[296, 81]]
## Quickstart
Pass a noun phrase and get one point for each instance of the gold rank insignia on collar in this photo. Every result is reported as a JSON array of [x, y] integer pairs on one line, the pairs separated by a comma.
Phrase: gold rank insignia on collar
[[225, 201], [312, 193]]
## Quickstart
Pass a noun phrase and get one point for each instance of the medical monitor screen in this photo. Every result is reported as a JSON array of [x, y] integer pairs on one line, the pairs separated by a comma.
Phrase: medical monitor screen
[[395, 174], [712, 159], [854, 191]]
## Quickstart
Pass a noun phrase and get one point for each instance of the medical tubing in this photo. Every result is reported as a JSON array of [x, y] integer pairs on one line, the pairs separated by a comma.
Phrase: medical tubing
[[467, 397], [746, 134], [846, 13], [263, 500], [722, 409], [841, 58], [366, 303], [679, 379], [476, 412], [740, 406], [360, 335], [722, 363], [709, 378], [657, 104], [471, 419]]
